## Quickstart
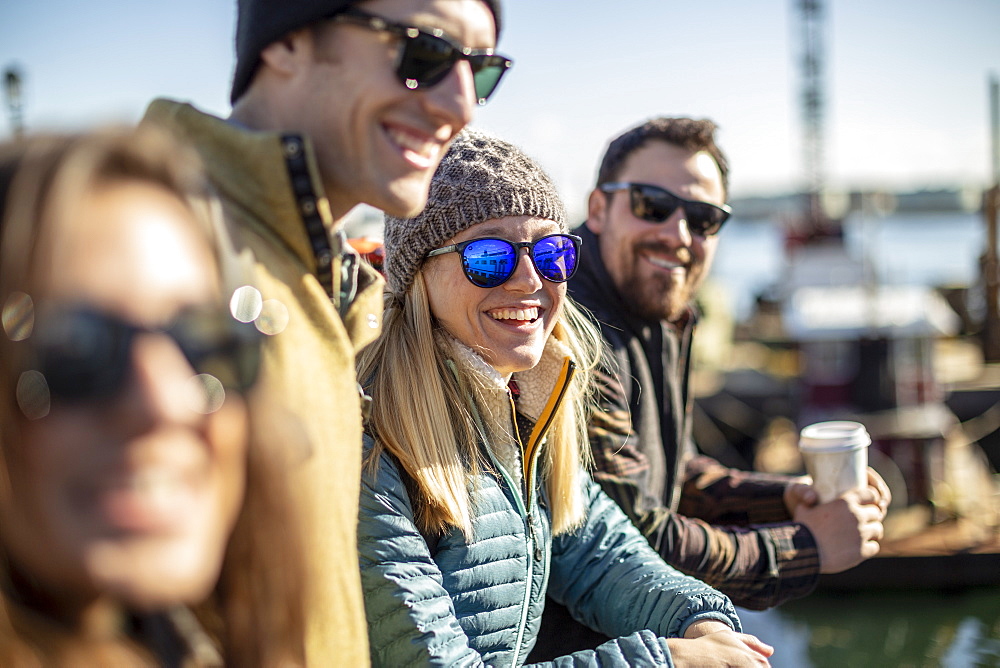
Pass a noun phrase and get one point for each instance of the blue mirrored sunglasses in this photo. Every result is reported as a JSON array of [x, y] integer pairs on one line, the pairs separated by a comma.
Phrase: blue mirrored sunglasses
[[490, 262]]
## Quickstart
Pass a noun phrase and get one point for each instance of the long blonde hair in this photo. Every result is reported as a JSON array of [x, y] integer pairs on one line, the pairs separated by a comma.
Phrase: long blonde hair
[[421, 414]]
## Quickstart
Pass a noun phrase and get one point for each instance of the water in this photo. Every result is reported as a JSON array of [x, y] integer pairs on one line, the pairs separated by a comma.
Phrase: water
[[880, 629], [927, 249], [884, 630]]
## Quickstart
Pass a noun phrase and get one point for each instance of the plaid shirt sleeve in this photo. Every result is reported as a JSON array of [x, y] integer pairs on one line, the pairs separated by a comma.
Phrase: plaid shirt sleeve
[[721, 495], [756, 556]]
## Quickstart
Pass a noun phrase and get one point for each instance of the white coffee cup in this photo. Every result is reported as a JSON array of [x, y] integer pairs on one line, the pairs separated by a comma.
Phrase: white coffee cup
[[836, 456]]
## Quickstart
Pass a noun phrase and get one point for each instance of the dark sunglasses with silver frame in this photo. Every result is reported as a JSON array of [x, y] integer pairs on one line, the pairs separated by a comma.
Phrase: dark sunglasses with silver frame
[[489, 262], [428, 54], [655, 205]]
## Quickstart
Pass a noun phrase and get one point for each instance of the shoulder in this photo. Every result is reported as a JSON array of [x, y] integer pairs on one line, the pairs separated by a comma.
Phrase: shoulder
[[379, 467]]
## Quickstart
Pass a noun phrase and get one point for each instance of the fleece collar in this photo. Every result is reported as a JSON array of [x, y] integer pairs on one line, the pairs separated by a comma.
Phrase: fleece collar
[[537, 387], [536, 384]]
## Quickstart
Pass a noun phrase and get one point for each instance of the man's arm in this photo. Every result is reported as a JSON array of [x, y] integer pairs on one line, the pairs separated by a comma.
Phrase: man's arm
[[845, 531], [721, 495], [757, 567]]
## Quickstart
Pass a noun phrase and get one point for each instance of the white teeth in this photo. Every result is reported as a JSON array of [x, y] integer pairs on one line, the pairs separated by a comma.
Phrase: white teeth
[[155, 485], [515, 314], [426, 148], [665, 264]]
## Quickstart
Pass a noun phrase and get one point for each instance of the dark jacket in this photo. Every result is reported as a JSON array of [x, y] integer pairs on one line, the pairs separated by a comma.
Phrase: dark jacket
[[729, 528], [471, 601]]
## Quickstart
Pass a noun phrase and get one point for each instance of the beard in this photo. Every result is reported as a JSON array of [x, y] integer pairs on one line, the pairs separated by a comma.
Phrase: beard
[[655, 298], [661, 296]]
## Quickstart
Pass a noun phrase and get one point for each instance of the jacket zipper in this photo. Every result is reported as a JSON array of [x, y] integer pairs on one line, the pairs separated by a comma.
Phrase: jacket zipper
[[569, 368], [535, 553], [526, 487], [530, 533]]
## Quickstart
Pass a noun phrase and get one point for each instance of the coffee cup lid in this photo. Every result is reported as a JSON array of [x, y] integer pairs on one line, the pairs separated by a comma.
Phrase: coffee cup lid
[[834, 436]]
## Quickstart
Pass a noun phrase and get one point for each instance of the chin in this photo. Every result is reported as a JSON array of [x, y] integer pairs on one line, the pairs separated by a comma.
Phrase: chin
[[405, 200], [153, 576], [519, 362]]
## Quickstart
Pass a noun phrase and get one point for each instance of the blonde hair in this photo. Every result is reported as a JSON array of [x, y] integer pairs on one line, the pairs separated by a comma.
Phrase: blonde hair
[[421, 415]]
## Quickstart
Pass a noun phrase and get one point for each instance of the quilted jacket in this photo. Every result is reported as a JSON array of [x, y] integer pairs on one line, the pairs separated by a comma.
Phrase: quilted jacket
[[449, 601]]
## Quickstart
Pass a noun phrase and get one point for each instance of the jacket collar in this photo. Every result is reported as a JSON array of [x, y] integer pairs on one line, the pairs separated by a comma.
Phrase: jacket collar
[[541, 393], [538, 385], [248, 169]]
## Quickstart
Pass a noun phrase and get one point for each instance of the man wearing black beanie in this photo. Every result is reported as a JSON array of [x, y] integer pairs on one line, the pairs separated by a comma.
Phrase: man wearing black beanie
[[335, 103]]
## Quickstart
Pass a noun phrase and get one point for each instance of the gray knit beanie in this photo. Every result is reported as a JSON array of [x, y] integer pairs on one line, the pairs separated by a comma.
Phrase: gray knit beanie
[[261, 22], [480, 178]]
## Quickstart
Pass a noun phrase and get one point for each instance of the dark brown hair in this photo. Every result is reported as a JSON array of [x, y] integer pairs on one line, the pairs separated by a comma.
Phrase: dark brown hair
[[692, 134]]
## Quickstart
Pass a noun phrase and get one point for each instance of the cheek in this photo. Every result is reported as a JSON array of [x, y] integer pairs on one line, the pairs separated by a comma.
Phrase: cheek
[[50, 449], [454, 301], [704, 252], [557, 295], [618, 252], [227, 434], [435, 289], [45, 465]]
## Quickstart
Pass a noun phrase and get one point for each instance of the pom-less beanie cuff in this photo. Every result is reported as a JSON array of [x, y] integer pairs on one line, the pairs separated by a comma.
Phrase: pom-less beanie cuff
[[480, 178], [262, 22]]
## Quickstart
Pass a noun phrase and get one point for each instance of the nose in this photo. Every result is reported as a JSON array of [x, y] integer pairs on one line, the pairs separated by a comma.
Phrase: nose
[[160, 389], [453, 99], [675, 229], [525, 278]]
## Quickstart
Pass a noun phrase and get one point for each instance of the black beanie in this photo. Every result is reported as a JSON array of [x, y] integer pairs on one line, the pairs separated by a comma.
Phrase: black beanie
[[262, 22]]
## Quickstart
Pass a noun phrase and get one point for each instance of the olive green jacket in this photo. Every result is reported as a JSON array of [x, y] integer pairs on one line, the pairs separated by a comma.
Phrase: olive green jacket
[[279, 221]]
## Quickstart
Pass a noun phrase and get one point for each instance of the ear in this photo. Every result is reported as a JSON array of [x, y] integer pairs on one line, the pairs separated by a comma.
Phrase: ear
[[284, 56], [597, 211]]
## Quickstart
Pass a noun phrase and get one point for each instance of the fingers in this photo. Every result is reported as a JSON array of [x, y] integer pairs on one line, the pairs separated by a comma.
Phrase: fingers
[[870, 531], [756, 644], [807, 494], [881, 488], [869, 549], [846, 530], [867, 513], [799, 494], [870, 498]]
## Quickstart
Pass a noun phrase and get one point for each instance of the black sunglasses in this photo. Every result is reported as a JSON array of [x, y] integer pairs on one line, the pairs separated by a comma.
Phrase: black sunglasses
[[655, 205], [490, 262], [428, 55], [84, 353]]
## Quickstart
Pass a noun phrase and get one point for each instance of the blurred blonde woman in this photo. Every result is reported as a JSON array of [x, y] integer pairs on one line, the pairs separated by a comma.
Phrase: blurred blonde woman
[[475, 501], [131, 493]]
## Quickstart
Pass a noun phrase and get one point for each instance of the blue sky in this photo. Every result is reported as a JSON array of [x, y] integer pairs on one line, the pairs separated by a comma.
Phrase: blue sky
[[907, 80]]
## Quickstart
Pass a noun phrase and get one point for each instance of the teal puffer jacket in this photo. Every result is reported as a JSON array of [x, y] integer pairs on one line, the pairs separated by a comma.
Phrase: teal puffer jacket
[[458, 602]]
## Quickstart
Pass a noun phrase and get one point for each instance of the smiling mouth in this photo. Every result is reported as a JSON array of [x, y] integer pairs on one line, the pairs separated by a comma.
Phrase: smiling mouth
[[666, 258], [664, 263], [529, 314], [421, 152], [148, 501]]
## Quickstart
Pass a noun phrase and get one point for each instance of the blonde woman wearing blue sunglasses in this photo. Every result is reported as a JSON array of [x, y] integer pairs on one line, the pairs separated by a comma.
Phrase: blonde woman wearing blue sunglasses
[[475, 499]]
